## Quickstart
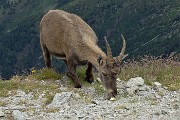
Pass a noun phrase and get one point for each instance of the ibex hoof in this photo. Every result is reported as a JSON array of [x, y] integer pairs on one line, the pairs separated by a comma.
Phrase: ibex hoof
[[78, 86], [90, 80]]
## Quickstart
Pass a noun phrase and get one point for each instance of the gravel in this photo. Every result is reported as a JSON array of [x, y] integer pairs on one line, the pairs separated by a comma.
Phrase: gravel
[[141, 103]]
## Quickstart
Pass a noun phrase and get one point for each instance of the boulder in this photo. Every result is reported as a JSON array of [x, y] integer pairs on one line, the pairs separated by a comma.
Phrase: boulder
[[138, 81], [60, 98], [17, 115], [134, 84]]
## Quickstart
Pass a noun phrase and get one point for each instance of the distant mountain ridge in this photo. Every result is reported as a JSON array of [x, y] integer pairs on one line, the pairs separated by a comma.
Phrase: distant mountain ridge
[[150, 27]]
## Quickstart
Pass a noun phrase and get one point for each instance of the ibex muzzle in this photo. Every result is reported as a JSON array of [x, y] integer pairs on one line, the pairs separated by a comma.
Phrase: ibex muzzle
[[69, 38]]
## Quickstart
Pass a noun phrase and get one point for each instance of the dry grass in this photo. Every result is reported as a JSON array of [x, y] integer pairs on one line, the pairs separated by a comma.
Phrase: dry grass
[[163, 70]]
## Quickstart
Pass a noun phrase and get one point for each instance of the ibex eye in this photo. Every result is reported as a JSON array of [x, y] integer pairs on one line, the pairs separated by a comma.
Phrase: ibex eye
[[116, 64], [114, 73]]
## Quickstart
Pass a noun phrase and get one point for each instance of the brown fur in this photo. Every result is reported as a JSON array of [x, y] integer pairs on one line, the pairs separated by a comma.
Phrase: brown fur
[[68, 37]]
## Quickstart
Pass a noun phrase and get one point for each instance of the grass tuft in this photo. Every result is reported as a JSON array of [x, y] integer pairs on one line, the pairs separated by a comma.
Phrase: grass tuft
[[2, 103], [45, 73]]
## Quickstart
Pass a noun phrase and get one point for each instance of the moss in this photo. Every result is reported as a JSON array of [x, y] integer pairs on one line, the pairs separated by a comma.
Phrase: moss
[[2, 103], [51, 110], [120, 107], [160, 93], [49, 98]]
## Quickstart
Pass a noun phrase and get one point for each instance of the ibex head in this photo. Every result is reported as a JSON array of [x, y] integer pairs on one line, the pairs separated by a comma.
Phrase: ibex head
[[110, 67]]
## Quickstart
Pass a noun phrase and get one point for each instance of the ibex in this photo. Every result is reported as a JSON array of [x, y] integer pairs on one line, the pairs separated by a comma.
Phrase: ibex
[[68, 37]]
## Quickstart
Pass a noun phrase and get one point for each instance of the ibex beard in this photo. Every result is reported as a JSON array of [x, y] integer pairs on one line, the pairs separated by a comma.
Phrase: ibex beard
[[67, 37]]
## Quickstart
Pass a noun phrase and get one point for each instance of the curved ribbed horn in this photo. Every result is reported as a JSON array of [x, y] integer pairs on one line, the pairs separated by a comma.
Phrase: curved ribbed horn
[[121, 55], [109, 52]]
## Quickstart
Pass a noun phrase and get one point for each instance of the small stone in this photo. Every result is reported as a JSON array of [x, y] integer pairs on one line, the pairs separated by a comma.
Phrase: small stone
[[118, 79], [163, 112], [76, 95], [20, 93], [157, 85], [143, 88], [113, 99], [96, 102], [165, 87], [7, 111], [2, 113], [157, 113], [98, 79]]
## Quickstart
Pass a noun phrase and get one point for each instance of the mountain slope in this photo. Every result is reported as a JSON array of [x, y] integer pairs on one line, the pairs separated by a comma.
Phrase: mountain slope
[[150, 27]]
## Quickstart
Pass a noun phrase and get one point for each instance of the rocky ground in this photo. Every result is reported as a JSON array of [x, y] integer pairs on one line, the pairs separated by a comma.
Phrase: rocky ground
[[135, 101]]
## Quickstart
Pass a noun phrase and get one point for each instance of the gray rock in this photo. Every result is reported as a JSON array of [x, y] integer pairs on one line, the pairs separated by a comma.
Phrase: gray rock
[[118, 79], [98, 79], [157, 85], [20, 93], [132, 90], [60, 98], [17, 115], [121, 84], [138, 81], [163, 112], [2, 114], [134, 84]]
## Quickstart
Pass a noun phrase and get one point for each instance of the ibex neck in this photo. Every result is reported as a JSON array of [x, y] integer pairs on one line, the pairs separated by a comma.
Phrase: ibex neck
[[93, 55]]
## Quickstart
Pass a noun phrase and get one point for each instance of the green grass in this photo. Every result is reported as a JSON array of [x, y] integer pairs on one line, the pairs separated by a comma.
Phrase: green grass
[[45, 73], [8, 88], [81, 73]]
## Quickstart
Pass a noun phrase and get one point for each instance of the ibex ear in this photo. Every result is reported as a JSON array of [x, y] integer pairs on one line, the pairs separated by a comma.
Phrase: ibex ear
[[99, 60]]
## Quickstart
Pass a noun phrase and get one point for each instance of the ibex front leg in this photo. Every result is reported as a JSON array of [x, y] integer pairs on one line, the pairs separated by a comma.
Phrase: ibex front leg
[[89, 75], [72, 73]]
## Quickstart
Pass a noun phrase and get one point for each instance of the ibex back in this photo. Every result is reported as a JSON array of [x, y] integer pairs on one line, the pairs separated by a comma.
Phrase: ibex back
[[69, 38]]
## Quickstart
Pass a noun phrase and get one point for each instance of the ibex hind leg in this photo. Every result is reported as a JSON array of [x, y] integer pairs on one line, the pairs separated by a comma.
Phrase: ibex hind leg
[[72, 74], [67, 72], [89, 75], [47, 56]]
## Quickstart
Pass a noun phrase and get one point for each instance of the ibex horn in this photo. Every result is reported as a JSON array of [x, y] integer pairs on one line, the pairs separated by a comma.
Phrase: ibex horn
[[109, 53], [121, 55]]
